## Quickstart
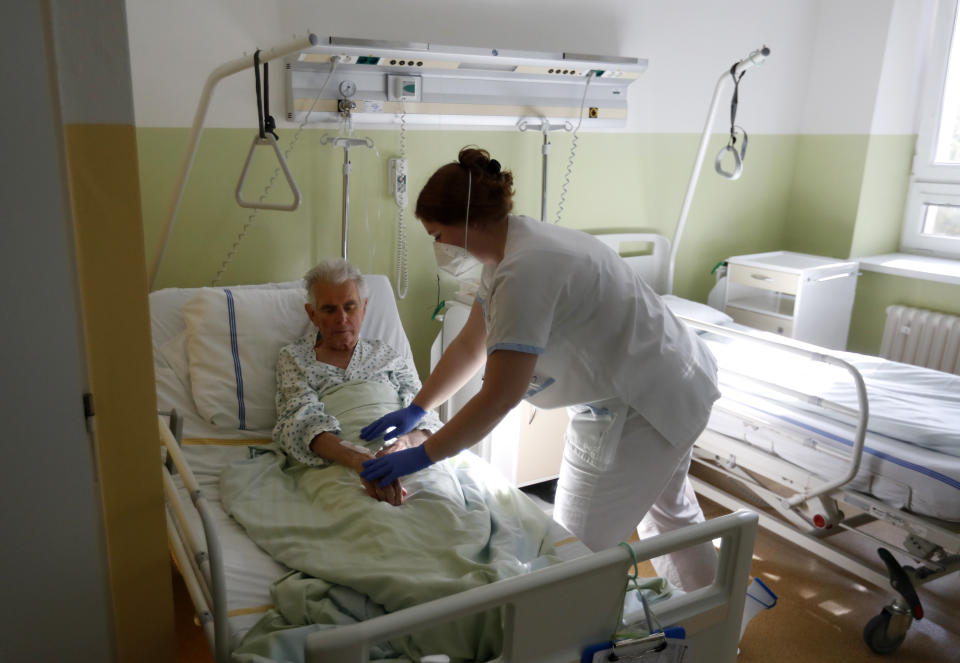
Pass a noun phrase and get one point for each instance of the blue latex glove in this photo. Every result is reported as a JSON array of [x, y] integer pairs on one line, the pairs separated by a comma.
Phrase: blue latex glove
[[395, 424], [390, 467]]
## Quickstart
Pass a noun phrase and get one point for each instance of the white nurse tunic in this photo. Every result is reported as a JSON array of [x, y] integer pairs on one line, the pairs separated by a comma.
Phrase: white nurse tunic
[[643, 383]]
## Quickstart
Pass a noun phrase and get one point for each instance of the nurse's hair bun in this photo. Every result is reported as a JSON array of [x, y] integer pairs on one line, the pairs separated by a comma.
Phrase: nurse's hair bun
[[444, 197], [479, 160]]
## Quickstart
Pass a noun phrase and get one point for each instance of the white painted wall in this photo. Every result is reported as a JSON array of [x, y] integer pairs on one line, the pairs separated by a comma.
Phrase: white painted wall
[[901, 74], [801, 88]]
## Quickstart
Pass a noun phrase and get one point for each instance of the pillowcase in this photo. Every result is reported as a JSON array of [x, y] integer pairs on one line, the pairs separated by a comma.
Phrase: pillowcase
[[695, 310], [233, 338], [229, 359]]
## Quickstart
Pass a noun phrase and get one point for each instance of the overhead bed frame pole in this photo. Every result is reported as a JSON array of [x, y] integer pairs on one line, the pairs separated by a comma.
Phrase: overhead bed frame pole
[[756, 57], [218, 74]]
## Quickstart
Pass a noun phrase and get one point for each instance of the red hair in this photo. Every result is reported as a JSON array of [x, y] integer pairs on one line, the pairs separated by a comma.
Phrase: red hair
[[443, 198]]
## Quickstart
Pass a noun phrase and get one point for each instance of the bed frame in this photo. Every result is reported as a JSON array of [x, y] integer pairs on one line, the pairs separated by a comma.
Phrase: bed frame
[[814, 513], [816, 510], [550, 615]]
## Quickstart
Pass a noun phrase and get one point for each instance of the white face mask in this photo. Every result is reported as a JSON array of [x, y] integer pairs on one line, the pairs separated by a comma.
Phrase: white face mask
[[456, 260]]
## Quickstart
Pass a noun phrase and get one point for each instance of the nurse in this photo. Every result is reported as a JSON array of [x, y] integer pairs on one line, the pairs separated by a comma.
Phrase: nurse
[[561, 320]]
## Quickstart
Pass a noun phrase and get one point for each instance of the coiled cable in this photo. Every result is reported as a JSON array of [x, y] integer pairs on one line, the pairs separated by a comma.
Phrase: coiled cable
[[573, 151], [402, 281]]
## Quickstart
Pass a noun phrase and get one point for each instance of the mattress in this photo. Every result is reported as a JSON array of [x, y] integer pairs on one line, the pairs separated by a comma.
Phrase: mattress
[[911, 458]]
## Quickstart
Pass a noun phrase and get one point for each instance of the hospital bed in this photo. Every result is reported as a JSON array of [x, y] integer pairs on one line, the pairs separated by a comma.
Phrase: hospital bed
[[819, 457], [551, 614]]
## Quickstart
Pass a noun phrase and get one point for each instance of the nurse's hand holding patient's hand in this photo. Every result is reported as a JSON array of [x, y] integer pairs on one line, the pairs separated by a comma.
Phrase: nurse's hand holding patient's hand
[[387, 469], [394, 424]]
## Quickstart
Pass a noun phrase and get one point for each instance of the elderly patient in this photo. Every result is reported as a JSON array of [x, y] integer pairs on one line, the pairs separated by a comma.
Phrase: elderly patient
[[335, 355]]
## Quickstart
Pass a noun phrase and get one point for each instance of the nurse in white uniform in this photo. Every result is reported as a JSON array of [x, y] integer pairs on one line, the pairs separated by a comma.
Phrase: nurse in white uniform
[[561, 320]]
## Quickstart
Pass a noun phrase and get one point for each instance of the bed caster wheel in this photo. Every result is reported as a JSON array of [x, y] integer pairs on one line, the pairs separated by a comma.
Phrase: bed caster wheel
[[878, 637]]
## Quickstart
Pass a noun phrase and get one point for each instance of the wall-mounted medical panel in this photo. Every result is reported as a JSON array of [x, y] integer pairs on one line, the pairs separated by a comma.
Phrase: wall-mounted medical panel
[[376, 81]]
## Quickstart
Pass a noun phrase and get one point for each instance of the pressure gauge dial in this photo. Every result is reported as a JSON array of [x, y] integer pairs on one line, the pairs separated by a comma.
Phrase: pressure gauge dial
[[348, 89]]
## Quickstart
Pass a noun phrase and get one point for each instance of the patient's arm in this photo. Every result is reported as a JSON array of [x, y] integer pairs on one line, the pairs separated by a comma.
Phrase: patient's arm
[[327, 446]]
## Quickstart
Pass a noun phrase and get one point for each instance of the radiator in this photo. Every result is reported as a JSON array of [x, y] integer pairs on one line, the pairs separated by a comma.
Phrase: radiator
[[923, 338]]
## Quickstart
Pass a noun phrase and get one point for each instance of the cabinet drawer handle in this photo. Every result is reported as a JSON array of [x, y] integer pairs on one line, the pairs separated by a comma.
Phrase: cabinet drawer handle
[[761, 277]]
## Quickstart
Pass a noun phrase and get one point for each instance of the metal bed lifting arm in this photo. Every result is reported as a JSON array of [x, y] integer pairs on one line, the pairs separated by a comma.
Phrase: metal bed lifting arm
[[861, 414]]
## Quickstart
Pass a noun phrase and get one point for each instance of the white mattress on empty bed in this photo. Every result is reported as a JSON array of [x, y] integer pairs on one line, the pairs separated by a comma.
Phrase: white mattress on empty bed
[[912, 454]]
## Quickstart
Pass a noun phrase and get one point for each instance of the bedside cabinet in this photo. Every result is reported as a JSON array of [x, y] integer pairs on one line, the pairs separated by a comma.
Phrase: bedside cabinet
[[806, 297]]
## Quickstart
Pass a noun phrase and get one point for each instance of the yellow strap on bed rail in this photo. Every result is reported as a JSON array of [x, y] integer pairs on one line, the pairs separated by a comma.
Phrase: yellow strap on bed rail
[[235, 443]]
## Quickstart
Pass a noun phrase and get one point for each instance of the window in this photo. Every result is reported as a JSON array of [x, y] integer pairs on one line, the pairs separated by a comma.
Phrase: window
[[932, 217]]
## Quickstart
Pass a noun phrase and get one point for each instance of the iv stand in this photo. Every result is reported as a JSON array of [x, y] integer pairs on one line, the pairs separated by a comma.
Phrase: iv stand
[[544, 126], [346, 144]]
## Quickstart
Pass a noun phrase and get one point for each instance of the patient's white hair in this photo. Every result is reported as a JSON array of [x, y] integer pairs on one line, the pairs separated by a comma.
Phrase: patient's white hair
[[336, 271]]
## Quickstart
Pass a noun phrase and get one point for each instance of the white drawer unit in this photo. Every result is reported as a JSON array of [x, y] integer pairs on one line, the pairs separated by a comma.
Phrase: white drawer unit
[[802, 296]]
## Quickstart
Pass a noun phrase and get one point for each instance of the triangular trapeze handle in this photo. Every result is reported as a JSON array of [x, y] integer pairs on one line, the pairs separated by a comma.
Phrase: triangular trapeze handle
[[272, 142]]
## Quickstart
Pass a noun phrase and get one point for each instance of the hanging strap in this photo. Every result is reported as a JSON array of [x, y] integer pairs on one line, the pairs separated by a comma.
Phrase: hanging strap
[[265, 121], [731, 146]]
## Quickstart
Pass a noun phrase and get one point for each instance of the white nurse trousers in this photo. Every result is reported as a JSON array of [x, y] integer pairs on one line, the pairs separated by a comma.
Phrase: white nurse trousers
[[618, 471]]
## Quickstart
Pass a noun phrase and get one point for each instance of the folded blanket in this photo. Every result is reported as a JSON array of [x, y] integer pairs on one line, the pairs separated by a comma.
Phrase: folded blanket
[[462, 526]]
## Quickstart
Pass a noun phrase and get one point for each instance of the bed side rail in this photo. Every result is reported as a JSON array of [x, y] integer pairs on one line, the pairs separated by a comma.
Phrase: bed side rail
[[861, 415], [552, 614], [203, 569]]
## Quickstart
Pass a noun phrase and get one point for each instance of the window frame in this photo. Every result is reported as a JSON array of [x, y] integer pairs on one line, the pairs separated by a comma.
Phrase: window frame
[[932, 183]]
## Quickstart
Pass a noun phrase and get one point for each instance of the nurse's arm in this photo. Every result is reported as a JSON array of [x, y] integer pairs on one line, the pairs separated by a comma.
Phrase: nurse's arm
[[460, 362], [505, 382]]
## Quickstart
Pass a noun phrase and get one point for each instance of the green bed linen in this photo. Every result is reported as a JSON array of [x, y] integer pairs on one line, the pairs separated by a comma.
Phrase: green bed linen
[[461, 526]]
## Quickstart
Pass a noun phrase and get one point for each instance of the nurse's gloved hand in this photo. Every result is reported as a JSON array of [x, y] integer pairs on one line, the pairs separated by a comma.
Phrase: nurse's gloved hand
[[389, 468], [395, 424]]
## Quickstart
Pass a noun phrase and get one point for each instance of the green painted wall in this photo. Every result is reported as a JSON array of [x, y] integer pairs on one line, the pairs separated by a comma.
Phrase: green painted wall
[[827, 181], [847, 200], [634, 181], [827, 195], [883, 195]]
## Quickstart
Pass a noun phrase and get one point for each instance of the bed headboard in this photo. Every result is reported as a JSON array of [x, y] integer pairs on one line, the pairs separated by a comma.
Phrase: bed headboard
[[647, 253]]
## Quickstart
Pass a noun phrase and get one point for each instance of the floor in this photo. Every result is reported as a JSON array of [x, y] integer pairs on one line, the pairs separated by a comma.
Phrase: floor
[[819, 617]]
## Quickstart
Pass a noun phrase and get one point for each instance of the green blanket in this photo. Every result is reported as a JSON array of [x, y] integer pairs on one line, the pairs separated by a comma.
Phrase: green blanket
[[460, 527]]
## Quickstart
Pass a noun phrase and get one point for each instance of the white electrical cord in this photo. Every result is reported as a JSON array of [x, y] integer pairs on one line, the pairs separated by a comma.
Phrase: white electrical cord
[[402, 281], [573, 151], [253, 215]]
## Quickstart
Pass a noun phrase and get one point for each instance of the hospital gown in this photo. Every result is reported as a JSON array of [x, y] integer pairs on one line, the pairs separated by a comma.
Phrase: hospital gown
[[301, 379]]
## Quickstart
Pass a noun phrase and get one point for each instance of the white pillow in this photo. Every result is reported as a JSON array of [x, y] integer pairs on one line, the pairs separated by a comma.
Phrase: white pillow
[[695, 310], [233, 339], [264, 320]]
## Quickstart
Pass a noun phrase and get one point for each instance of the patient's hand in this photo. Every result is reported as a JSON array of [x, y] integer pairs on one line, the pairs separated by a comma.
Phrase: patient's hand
[[392, 493], [412, 439]]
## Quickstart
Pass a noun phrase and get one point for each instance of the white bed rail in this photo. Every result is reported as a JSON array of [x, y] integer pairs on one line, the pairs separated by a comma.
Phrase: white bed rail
[[552, 615], [862, 413], [202, 569]]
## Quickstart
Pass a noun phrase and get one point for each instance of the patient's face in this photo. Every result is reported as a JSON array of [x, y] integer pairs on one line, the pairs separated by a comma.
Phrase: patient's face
[[338, 314]]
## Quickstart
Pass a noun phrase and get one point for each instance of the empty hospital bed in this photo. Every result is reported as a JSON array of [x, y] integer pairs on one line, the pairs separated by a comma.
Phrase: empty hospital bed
[[550, 614], [787, 429]]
